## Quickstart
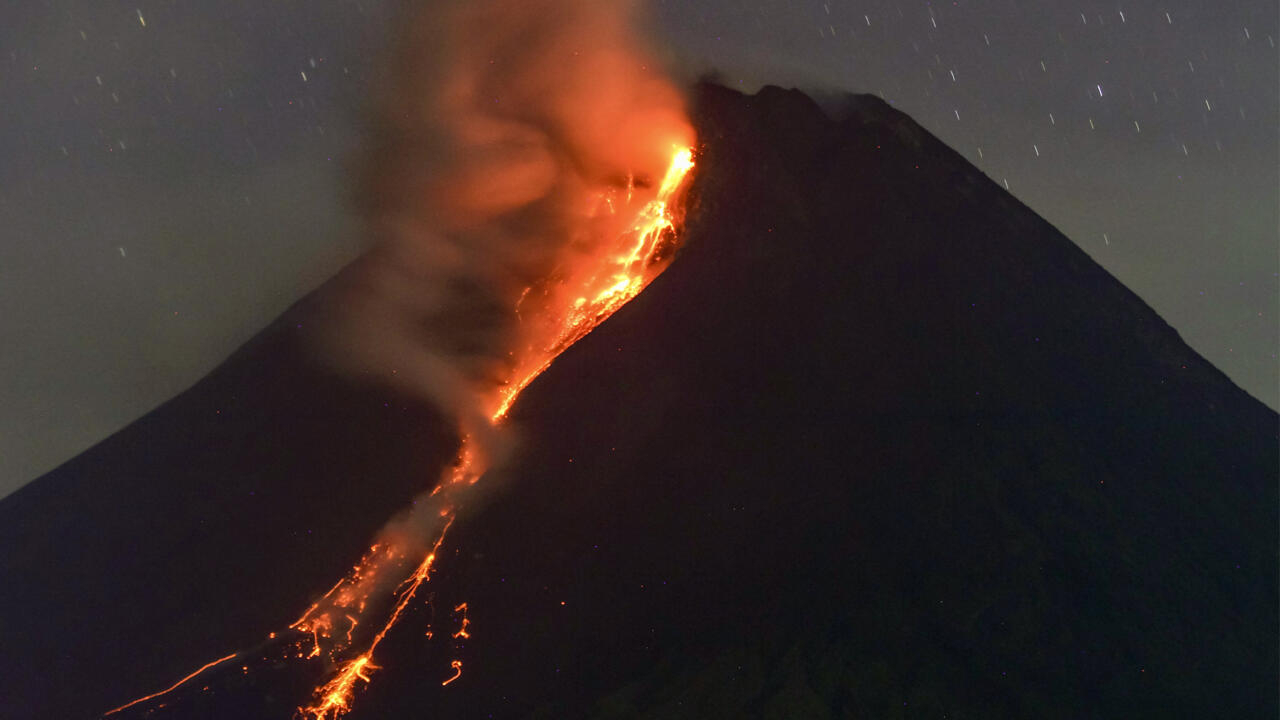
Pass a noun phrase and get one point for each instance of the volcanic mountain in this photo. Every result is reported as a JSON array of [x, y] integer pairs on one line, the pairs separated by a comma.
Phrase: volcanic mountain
[[881, 442]]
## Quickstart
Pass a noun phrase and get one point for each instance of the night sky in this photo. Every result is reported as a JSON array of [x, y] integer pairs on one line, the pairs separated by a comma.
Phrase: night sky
[[172, 173]]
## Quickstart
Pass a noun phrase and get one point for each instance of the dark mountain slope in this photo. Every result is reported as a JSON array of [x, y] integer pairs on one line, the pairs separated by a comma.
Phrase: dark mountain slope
[[880, 443], [203, 526]]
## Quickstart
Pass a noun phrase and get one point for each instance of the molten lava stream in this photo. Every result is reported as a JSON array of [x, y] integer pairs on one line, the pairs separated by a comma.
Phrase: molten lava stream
[[620, 274], [574, 307]]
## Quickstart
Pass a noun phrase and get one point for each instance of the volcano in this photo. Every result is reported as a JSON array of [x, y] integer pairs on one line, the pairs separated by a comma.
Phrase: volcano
[[881, 442]]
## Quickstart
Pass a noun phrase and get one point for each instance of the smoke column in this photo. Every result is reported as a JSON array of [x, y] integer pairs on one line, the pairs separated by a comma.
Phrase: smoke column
[[521, 177], [500, 129], [524, 157]]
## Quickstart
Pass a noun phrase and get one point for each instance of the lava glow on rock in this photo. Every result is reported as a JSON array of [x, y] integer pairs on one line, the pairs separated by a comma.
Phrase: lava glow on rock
[[344, 628], [622, 271]]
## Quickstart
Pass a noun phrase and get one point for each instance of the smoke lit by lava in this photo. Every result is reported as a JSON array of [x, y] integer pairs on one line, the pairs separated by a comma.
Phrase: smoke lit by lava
[[522, 183]]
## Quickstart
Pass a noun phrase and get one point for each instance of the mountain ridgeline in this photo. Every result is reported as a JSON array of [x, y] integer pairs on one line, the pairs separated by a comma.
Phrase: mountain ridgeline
[[880, 443]]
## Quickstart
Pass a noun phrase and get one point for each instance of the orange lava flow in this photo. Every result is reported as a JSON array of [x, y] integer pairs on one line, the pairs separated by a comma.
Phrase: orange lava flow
[[334, 697], [569, 308], [585, 301], [457, 672], [463, 631], [172, 687], [620, 275]]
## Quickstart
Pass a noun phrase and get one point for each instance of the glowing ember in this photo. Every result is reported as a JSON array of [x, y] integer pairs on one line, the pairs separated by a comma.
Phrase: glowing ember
[[457, 672], [463, 631]]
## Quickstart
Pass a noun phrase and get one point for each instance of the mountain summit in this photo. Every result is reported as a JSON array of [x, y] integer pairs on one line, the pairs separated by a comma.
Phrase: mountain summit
[[881, 442]]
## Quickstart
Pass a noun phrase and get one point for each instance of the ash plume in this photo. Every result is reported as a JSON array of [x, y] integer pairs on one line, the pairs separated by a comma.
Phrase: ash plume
[[512, 144], [496, 133]]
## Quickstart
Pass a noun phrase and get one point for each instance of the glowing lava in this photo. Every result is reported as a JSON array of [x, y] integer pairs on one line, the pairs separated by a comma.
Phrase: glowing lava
[[172, 687], [571, 306], [569, 309], [457, 672], [606, 286]]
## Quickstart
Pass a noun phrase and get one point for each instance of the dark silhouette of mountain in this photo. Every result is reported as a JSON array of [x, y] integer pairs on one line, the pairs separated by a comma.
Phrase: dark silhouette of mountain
[[880, 443], [200, 527]]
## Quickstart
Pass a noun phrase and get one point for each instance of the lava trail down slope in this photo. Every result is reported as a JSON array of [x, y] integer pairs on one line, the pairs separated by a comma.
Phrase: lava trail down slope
[[881, 442]]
